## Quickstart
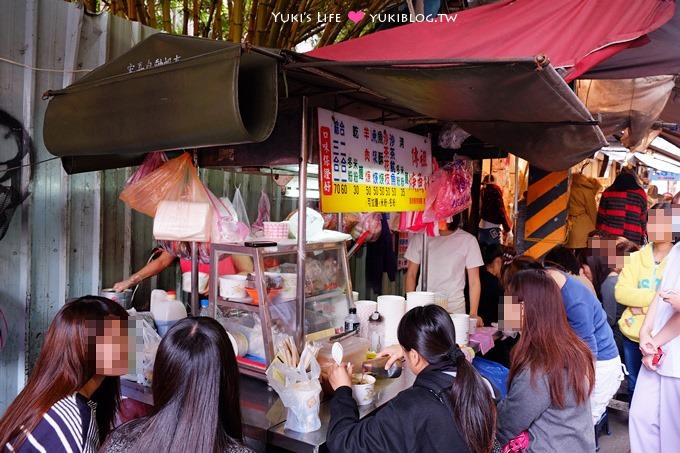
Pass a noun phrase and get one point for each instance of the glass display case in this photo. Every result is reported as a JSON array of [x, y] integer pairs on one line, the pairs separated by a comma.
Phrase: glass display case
[[261, 308]]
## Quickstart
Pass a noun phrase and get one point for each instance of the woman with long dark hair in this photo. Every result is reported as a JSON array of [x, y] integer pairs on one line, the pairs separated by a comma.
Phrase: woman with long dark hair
[[195, 392], [588, 319], [551, 373], [72, 394], [449, 408]]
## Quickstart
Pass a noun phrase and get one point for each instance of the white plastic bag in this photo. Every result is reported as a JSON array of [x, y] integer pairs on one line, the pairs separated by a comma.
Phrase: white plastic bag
[[300, 393], [240, 208], [146, 345], [182, 221]]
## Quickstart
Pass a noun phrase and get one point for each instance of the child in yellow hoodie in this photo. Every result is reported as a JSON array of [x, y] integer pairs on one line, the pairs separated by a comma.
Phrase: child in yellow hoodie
[[638, 284]]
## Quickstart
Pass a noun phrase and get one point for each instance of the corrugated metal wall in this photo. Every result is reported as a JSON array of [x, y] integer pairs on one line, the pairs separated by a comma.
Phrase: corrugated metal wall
[[71, 235], [52, 249]]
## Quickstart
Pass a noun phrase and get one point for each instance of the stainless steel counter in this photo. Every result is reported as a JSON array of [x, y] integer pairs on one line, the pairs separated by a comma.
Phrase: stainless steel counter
[[264, 415]]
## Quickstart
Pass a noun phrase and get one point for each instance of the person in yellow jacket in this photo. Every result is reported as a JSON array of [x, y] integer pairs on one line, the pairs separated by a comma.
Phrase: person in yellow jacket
[[582, 210], [638, 283]]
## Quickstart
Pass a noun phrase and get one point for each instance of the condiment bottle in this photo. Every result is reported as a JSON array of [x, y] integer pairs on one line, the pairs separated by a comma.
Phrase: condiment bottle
[[377, 367], [352, 320], [204, 307], [376, 332]]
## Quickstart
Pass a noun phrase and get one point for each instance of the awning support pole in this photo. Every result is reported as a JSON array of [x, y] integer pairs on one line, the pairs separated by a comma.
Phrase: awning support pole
[[302, 227], [423, 264], [515, 208], [195, 308]]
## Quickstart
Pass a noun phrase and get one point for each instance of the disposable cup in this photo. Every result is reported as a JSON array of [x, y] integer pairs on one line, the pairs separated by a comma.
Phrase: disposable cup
[[462, 325]]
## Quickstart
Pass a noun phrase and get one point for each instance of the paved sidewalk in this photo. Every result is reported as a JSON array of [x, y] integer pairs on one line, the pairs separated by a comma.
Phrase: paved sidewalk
[[617, 442]]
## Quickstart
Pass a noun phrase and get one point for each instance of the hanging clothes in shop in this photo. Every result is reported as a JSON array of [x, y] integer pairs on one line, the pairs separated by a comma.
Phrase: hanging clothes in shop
[[381, 258]]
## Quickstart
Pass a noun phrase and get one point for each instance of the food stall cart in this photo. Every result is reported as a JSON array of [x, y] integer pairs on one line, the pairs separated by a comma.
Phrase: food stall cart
[[125, 83]]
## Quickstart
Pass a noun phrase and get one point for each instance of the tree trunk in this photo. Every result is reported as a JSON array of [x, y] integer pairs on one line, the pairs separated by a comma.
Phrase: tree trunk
[[263, 8], [185, 17], [151, 12], [140, 11], [196, 16], [167, 24], [236, 22], [274, 30], [90, 5], [217, 21], [131, 10], [250, 35]]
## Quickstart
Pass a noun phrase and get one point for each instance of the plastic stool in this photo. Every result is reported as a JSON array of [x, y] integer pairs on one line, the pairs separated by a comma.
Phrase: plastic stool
[[601, 425]]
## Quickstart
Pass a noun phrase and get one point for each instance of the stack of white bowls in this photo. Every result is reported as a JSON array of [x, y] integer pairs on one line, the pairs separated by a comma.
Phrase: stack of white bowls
[[364, 310], [419, 299], [392, 308]]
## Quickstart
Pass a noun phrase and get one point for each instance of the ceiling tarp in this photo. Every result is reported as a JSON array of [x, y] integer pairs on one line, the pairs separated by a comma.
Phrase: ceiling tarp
[[632, 105], [575, 35], [519, 106], [168, 92], [660, 55], [658, 164]]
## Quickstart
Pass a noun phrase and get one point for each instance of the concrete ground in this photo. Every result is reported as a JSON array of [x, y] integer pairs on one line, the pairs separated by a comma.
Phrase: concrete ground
[[617, 441]]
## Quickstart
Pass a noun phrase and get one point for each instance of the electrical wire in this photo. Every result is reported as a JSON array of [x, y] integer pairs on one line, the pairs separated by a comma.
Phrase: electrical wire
[[33, 68], [32, 164]]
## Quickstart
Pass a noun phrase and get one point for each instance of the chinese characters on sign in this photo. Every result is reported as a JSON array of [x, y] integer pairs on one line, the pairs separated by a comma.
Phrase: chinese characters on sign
[[151, 63], [367, 167]]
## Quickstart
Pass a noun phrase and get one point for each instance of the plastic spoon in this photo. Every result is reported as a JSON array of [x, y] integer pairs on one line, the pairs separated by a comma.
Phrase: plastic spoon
[[337, 352]]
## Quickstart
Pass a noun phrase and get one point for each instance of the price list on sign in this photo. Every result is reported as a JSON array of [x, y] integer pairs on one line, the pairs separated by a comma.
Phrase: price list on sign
[[365, 167]]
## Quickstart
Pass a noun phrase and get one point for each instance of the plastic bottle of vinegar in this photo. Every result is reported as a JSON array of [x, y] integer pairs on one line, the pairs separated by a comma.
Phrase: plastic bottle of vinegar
[[166, 310]]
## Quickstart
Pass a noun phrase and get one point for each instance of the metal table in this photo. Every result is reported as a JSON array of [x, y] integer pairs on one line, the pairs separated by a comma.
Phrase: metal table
[[264, 415]]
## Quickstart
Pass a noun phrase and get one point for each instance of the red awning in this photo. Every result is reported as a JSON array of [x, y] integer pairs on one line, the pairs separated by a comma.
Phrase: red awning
[[574, 34]]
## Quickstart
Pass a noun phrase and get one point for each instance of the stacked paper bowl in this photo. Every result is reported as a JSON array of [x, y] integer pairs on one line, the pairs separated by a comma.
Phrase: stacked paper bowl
[[364, 310], [419, 299], [392, 308]]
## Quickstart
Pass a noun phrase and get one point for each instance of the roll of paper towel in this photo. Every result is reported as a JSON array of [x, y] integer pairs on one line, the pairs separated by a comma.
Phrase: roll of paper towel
[[392, 308]]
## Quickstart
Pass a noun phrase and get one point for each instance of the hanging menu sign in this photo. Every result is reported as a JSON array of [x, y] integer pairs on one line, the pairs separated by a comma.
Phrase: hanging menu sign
[[368, 167]]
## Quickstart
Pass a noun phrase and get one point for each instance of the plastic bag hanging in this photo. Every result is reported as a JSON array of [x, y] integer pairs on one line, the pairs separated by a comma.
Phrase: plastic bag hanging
[[225, 227], [152, 162], [450, 191], [240, 207], [263, 213], [175, 180]]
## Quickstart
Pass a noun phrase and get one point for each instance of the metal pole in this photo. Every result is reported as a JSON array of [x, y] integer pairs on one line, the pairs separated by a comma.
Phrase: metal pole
[[302, 227], [515, 202], [423, 265], [195, 307]]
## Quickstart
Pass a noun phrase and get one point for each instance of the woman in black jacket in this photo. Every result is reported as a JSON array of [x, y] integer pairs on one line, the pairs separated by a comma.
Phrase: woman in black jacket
[[449, 408]]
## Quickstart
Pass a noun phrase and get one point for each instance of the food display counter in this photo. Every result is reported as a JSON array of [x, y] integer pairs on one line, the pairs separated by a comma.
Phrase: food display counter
[[261, 309]]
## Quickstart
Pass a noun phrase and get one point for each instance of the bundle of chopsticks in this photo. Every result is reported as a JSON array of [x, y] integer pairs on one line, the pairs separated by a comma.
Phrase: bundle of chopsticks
[[287, 354]]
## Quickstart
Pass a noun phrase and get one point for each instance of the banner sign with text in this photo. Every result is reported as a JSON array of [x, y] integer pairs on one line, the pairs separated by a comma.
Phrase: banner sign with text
[[368, 167]]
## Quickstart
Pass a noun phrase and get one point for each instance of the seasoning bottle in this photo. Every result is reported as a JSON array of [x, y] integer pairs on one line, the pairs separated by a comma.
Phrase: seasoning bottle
[[204, 307], [377, 367], [376, 332], [352, 320], [172, 295]]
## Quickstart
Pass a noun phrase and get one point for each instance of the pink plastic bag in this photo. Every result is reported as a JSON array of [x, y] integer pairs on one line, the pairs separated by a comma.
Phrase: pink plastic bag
[[151, 162], [450, 191], [225, 228], [263, 213]]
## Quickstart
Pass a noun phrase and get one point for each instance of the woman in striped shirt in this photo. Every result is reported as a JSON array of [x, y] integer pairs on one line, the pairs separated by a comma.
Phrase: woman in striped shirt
[[70, 400]]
